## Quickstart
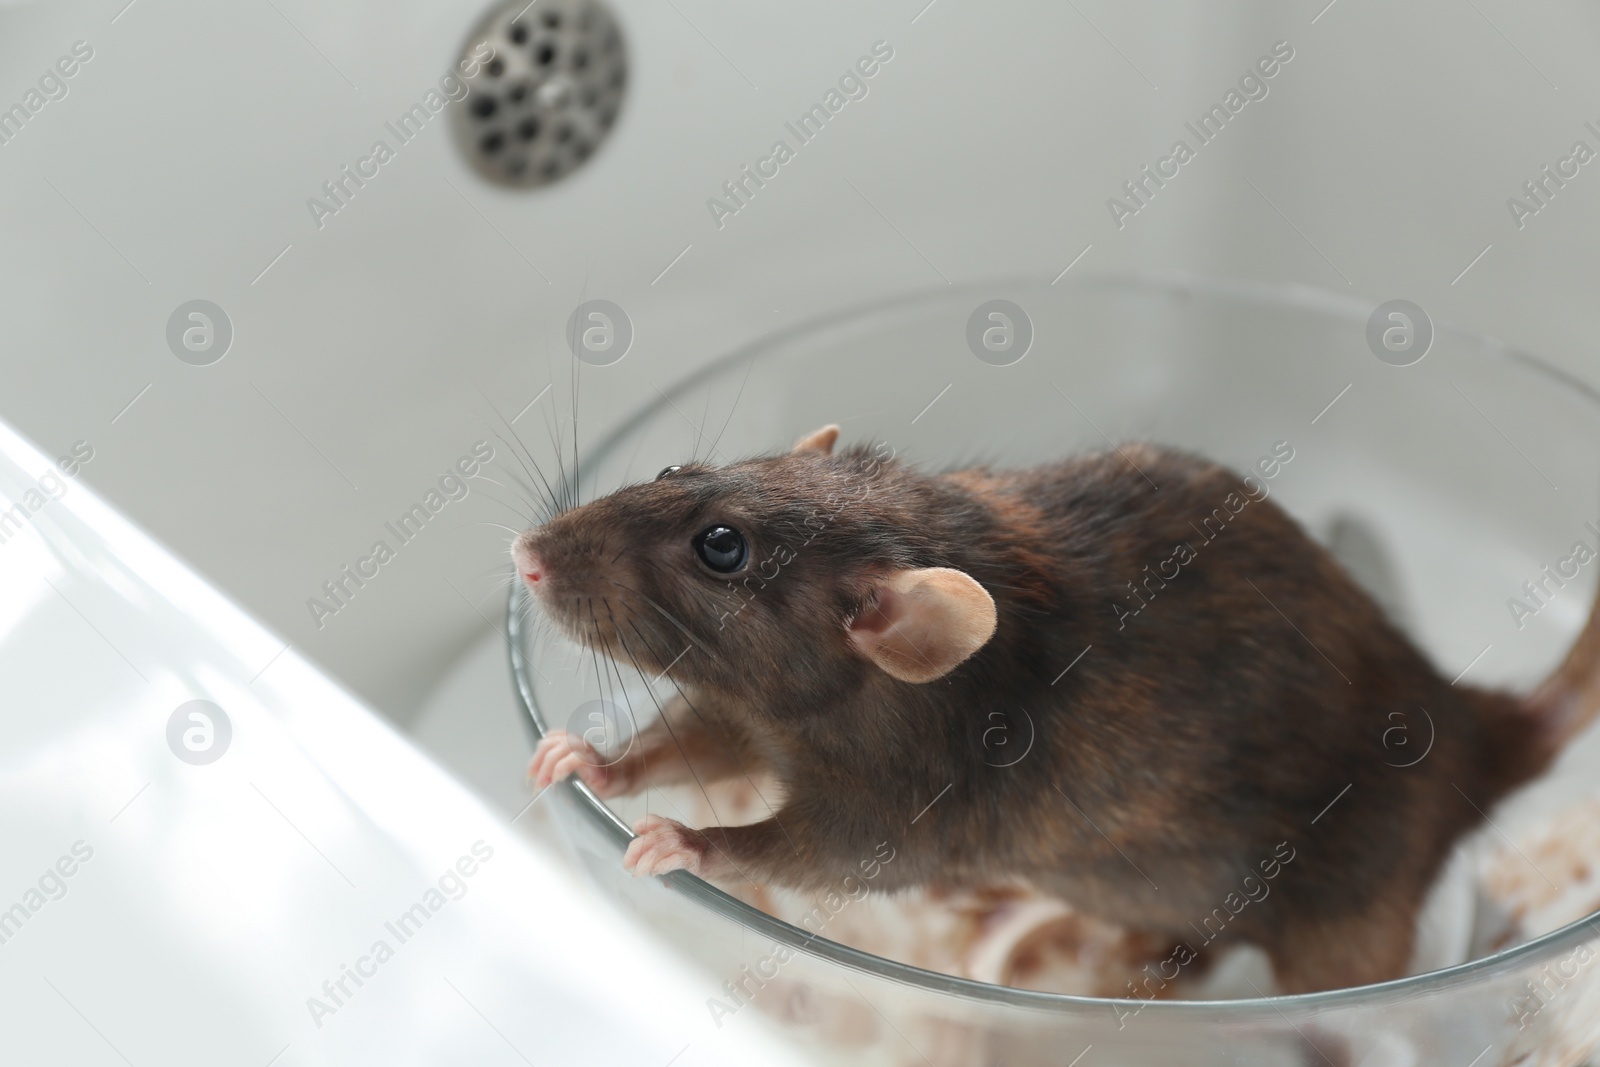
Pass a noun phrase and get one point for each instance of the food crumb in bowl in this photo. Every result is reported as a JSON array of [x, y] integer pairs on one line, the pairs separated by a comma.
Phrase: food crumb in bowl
[[1546, 878]]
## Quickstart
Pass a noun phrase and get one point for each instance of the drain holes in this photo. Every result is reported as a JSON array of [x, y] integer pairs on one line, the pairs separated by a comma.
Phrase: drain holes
[[551, 94]]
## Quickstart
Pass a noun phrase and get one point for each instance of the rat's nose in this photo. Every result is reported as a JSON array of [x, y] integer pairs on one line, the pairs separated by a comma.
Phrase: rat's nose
[[529, 565]]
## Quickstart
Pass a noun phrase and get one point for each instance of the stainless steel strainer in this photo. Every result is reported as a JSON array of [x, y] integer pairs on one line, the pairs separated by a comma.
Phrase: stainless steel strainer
[[549, 96]]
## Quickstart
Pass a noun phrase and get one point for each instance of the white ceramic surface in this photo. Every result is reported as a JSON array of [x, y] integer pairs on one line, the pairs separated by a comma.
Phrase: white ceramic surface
[[159, 911]]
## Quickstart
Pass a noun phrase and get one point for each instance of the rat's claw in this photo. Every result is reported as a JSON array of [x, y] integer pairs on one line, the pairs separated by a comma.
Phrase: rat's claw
[[664, 845], [561, 755]]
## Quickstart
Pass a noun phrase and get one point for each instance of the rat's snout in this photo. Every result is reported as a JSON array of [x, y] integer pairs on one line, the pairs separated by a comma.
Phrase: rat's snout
[[557, 563], [567, 565], [529, 565], [572, 555]]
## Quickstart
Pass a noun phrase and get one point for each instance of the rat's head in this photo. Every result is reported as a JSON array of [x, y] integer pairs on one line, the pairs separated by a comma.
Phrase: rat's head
[[798, 570]]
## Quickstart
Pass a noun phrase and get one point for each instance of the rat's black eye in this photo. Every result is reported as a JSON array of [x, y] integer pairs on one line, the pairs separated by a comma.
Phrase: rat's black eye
[[667, 470], [723, 548]]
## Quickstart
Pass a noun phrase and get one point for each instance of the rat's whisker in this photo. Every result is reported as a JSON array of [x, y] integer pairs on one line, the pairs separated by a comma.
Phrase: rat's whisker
[[512, 530], [667, 722], [526, 458], [577, 469], [698, 643], [748, 367], [527, 492], [559, 494], [602, 682], [509, 446], [552, 429], [705, 413], [729, 750], [518, 512], [629, 468]]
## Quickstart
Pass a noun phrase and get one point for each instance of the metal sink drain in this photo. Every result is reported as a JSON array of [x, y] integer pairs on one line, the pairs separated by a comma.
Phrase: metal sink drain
[[549, 97]]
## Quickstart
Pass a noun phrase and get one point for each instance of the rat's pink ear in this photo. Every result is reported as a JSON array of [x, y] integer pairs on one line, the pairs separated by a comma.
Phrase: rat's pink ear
[[925, 623], [818, 440]]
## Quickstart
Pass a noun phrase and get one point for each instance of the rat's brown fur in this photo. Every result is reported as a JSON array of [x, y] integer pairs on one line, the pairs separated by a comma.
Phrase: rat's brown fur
[[1245, 714]]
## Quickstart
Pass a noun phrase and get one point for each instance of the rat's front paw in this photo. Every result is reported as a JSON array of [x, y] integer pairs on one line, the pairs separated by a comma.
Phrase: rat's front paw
[[665, 845], [562, 754]]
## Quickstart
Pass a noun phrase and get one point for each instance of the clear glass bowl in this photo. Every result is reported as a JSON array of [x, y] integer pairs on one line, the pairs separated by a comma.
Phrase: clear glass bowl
[[1448, 470]]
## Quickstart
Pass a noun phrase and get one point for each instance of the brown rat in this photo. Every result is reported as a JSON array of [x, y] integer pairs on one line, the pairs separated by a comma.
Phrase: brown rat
[[1219, 763]]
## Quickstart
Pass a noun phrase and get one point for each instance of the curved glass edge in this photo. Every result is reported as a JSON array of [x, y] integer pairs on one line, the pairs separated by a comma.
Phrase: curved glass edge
[[1261, 294], [706, 895]]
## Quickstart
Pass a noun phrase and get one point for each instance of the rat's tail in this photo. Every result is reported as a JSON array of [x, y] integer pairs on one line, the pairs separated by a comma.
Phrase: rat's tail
[[1567, 701]]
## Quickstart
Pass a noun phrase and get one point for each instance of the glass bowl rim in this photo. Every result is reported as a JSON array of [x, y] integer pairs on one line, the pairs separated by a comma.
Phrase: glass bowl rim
[[1547, 946]]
